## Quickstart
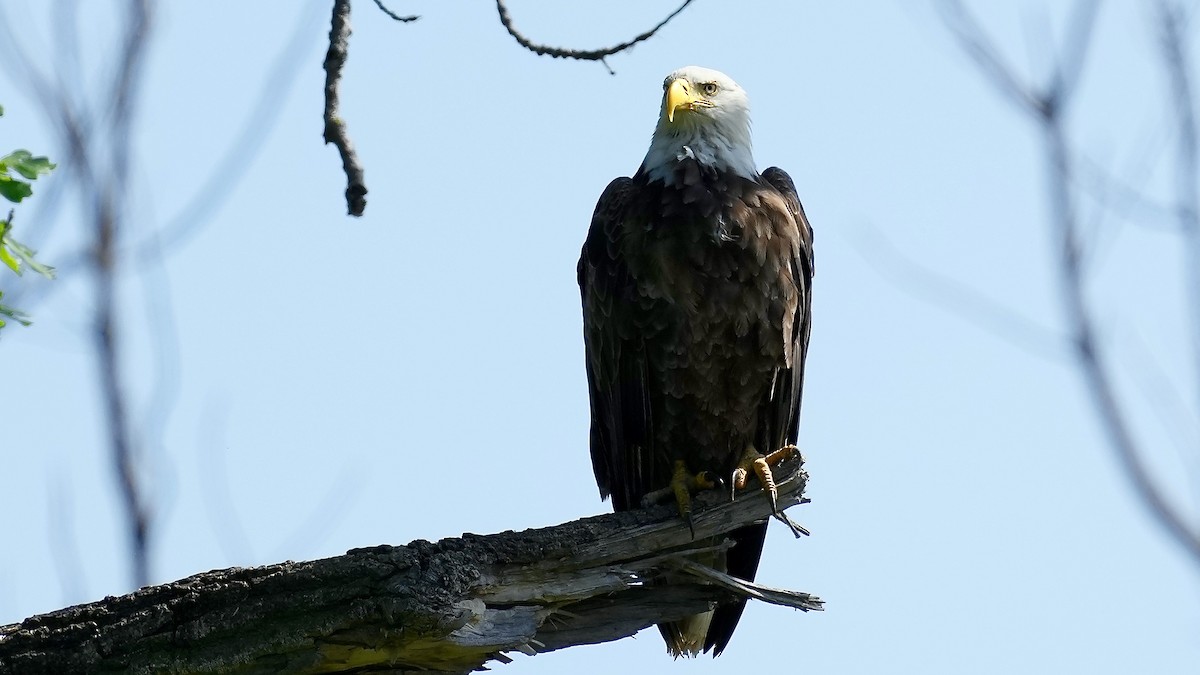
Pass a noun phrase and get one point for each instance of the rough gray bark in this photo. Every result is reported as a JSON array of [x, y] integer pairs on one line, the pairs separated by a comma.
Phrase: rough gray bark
[[445, 607]]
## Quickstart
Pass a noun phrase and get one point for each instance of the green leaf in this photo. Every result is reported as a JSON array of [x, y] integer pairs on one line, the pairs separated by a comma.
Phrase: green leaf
[[24, 163], [16, 156], [14, 248], [8, 259], [14, 190], [14, 314], [1, 111], [36, 166]]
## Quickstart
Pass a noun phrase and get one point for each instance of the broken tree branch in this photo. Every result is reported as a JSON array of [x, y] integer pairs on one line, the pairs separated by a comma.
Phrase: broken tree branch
[[335, 127], [447, 607]]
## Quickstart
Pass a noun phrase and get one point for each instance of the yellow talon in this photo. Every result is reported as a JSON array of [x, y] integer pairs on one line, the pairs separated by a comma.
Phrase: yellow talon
[[761, 465], [683, 485], [680, 482]]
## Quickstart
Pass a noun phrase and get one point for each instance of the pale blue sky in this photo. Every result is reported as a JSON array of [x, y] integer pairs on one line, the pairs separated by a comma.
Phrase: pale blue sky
[[966, 514]]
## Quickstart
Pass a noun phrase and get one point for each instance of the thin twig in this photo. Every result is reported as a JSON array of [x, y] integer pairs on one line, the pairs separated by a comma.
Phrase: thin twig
[[960, 299], [67, 558], [244, 148], [166, 383], [1173, 24], [219, 505], [975, 42], [580, 54], [1069, 64], [335, 127], [397, 17], [1102, 184], [1166, 402]]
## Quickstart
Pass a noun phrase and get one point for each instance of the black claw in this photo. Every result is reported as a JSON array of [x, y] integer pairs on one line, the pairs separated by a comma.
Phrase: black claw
[[797, 529], [687, 518], [712, 478]]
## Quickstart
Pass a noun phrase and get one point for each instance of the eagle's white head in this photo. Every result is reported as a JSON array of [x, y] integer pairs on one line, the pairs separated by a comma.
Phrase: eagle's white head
[[705, 115]]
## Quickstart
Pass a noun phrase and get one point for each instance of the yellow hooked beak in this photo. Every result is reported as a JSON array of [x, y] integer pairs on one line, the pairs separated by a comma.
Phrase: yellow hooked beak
[[679, 95]]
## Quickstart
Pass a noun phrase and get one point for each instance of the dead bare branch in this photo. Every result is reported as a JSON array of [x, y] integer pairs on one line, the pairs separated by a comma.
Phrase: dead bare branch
[[580, 54], [335, 126], [397, 17]]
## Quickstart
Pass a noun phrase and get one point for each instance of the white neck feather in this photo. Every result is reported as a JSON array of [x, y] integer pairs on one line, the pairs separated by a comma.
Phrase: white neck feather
[[714, 143]]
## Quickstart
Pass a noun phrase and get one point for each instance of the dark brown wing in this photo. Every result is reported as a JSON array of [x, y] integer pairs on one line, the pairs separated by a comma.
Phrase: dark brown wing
[[616, 358], [783, 414], [779, 421]]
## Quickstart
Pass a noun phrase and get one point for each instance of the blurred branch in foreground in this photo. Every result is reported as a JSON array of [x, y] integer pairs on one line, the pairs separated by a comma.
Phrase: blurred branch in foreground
[[445, 607], [1047, 106], [97, 143]]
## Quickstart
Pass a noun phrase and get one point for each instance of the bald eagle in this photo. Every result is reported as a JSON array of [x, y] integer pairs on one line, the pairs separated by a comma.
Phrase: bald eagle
[[695, 279]]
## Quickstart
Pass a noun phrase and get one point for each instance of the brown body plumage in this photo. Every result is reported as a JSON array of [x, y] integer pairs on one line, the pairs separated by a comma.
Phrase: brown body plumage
[[695, 284]]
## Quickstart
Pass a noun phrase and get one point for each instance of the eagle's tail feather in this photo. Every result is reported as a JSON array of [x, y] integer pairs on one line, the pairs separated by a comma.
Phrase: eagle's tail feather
[[712, 630], [720, 630], [686, 637]]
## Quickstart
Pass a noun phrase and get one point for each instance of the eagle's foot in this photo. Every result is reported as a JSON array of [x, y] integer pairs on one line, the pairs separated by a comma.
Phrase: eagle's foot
[[683, 485], [753, 460], [705, 480]]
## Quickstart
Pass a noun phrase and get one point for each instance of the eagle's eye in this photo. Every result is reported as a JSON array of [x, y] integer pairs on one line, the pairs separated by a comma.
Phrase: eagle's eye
[[709, 88]]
